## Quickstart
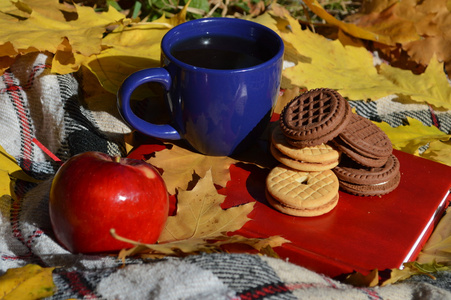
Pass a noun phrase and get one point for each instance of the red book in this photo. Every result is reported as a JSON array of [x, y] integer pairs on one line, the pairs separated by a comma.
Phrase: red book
[[360, 233]]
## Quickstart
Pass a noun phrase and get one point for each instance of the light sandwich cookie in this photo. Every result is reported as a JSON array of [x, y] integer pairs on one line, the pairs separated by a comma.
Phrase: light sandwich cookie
[[310, 158], [303, 194]]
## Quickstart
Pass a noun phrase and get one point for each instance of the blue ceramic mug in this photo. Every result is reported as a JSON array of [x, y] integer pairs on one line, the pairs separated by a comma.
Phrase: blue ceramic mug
[[222, 79]]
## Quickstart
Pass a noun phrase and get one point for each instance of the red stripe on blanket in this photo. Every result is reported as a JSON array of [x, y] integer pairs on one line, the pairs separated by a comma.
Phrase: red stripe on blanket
[[78, 286], [264, 291], [47, 151], [33, 74], [434, 118], [20, 257], [371, 293], [16, 208], [10, 89], [24, 120], [281, 288]]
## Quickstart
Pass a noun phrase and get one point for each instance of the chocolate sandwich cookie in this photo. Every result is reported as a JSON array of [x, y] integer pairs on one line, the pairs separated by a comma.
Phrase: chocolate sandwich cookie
[[365, 181], [364, 142], [303, 194], [311, 158], [314, 117]]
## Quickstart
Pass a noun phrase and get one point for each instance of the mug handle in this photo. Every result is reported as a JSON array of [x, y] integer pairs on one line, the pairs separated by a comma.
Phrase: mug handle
[[159, 75]]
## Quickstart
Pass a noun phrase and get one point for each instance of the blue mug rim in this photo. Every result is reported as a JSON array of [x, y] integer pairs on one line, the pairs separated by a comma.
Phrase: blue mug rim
[[165, 47]]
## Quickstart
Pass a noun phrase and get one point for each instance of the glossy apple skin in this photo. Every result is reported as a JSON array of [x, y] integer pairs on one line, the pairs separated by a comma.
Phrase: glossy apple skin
[[92, 193]]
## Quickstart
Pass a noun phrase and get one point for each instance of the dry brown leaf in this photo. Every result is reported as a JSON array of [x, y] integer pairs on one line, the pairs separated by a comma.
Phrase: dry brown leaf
[[179, 164], [389, 23], [414, 268], [402, 21], [199, 245], [375, 6], [358, 279], [376, 278], [349, 28]]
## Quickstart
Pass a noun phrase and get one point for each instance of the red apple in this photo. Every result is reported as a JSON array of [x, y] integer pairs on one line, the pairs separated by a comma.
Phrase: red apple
[[93, 192]]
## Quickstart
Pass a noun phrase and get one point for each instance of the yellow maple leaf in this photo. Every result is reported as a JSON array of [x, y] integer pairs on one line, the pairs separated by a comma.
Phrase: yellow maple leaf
[[409, 138], [10, 171], [44, 31], [431, 87], [320, 62], [130, 49], [199, 214], [28, 282], [10, 11], [10, 167], [50, 8], [179, 164], [439, 151]]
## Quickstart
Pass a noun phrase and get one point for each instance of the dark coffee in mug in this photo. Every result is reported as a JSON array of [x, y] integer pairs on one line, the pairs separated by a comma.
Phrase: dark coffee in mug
[[222, 52]]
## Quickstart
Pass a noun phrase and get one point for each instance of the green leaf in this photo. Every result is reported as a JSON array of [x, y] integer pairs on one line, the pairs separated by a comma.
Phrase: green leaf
[[200, 4], [114, 4], [136, 9]]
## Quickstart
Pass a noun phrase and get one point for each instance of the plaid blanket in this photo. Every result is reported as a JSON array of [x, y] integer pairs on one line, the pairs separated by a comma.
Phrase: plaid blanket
[[39, 106]]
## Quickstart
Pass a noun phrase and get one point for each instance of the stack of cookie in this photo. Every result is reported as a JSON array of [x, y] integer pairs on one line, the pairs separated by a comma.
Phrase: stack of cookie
[[304, 184], [322, 146], [368, 166]]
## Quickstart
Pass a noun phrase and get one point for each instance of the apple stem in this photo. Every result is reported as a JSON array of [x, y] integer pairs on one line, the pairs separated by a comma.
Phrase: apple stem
[[117, 159]]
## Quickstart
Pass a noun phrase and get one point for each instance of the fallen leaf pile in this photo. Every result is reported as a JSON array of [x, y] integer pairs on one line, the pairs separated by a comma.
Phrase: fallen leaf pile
[[201, 225]]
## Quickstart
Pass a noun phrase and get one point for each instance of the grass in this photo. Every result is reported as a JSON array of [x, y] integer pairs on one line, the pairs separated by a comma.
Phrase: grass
[[149, 10], [338, 8]]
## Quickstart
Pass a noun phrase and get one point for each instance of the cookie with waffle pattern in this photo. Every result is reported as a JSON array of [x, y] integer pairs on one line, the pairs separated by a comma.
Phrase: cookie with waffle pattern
[[364, 142], [303, 194], [314, 117]]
